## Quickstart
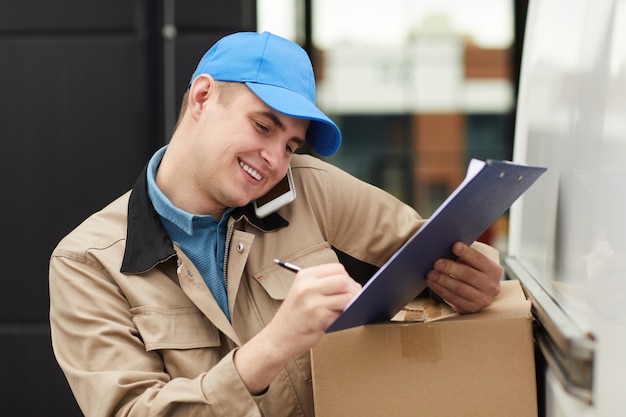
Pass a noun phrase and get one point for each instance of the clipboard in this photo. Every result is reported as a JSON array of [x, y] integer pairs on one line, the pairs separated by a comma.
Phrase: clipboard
[[489, 188]]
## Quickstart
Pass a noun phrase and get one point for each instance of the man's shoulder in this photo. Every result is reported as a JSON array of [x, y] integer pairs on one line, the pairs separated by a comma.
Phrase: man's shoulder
[[307, 161], [310, 164], [100, 230]]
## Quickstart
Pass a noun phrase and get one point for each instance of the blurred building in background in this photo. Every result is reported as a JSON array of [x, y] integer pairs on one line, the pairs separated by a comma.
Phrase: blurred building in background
[[428, 105], [414, 114]]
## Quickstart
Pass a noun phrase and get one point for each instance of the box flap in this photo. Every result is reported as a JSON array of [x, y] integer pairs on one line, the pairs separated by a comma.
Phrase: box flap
[[424, 310], [511, 302]]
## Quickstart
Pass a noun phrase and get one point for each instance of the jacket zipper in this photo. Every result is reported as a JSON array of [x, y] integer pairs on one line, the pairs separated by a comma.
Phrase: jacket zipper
[[229, 236]]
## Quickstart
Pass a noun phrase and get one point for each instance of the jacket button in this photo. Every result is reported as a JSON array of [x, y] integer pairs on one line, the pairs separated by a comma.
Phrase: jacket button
[[240, 247]]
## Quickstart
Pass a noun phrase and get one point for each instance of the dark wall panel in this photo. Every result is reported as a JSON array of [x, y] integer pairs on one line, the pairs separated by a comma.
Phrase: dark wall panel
[[75, 134], [66, 15], [81, 93], [216, 15], [31, 383]]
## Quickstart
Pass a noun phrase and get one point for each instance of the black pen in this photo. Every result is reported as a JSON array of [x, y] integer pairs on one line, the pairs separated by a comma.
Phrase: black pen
[[287, 265]]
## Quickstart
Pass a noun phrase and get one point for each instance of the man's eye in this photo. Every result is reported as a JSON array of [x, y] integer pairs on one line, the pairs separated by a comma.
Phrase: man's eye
[[261, 127]]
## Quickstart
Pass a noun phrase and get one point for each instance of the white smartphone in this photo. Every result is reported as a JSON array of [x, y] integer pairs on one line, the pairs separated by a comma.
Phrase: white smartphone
[[282, 194]]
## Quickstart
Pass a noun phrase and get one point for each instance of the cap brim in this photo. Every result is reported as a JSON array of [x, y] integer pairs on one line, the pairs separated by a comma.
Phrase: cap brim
[[323, 134]]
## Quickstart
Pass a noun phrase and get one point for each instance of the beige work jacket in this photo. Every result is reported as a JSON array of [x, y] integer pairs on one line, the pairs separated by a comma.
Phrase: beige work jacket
[[136, 330]]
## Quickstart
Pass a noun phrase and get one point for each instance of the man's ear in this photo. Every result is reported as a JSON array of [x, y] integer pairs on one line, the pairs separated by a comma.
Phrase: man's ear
[[202, 87]]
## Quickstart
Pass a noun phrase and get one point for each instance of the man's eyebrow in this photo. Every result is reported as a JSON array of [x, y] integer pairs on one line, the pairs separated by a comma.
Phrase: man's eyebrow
[[274, 120], [282, 127]]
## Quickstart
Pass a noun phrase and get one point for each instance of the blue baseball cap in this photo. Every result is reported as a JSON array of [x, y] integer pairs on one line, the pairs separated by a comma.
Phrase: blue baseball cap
[[279, 72]]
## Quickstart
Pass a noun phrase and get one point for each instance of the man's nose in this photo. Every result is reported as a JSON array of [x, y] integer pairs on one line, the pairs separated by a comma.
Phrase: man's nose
[[273, 154]]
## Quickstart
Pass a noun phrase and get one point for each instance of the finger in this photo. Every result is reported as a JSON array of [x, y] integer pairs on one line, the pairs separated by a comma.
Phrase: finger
[[477, 259], [317, 283], [337, 284], [451, 286], [324, 270], [332, 270], [462, 297], [337, 302], [473, 268], [329, 297], [323, 317], [466, 282], [458, 272]]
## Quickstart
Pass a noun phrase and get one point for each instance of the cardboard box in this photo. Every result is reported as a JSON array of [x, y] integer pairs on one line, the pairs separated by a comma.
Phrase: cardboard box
[[446, 364]]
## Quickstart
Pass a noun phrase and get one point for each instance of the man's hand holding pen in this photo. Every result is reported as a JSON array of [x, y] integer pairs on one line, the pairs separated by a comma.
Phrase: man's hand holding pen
[[316, 298], [318, 295]]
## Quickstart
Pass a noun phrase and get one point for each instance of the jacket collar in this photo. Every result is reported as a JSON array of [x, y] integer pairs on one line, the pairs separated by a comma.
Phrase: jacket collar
[[267, 224], [147, 242]]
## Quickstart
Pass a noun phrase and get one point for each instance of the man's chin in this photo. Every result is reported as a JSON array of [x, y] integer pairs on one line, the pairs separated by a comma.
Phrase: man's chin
[[240, 202]]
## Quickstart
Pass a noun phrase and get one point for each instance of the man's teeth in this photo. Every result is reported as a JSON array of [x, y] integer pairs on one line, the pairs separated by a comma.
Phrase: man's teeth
[[250, 171]]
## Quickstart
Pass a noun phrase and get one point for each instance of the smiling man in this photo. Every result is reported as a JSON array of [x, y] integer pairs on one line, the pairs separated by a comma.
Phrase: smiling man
[[168, 303]]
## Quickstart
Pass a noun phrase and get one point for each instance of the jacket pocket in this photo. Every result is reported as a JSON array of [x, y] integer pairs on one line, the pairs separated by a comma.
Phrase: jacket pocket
[[174, 328], [277, 280]]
